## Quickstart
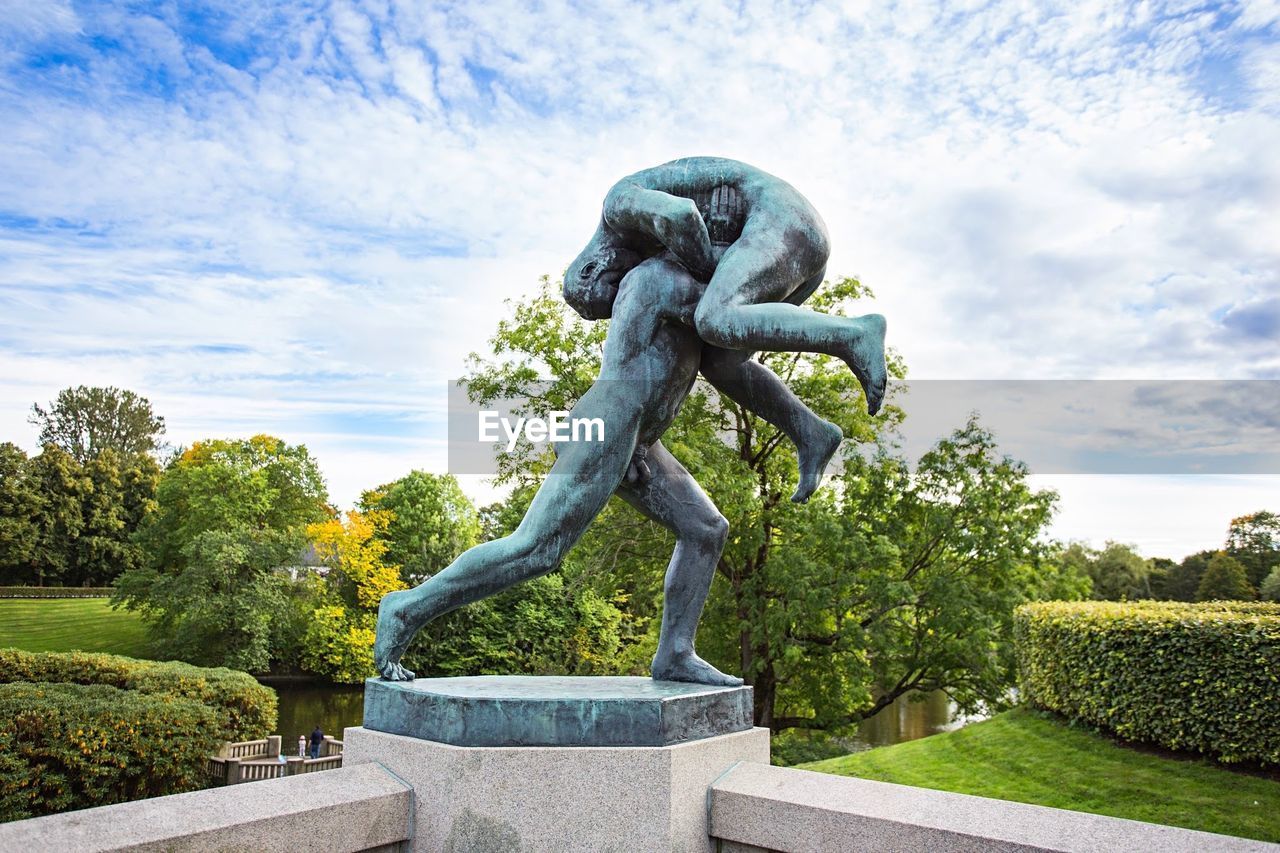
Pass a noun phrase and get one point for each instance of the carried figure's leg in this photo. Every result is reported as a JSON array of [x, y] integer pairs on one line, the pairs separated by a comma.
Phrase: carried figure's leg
[[757, 388], [674, 499], [577, 488], [746, 305]]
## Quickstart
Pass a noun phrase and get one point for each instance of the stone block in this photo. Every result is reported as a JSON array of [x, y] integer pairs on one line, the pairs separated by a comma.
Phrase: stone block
[[556, 798]]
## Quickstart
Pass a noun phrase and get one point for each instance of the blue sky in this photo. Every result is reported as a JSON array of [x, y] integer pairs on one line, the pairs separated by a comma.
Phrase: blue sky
[[299, 218]]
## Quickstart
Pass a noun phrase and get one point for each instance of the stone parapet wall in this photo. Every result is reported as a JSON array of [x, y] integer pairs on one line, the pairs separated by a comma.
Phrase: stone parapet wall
[[756, 807]]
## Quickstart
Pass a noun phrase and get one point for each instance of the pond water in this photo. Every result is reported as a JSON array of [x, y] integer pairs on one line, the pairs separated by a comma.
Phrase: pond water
[[303, 706]]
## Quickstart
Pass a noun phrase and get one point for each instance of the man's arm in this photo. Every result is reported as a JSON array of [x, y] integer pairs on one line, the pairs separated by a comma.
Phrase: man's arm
[[673, 221]]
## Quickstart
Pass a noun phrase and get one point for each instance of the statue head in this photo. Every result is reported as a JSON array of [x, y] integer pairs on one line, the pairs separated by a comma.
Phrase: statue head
[[591, 282]]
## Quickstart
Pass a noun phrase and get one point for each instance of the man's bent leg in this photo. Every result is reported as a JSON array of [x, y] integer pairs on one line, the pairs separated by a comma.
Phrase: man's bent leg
[[674, 499], [744, 309]]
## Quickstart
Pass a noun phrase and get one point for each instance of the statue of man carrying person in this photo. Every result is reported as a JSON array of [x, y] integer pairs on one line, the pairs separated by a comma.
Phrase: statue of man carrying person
[[700, 263]]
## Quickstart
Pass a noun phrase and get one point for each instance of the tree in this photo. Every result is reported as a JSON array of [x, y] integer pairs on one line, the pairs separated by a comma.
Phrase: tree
[[1224, 580], [229, 513], [220, 609], [1254, 540], [1119, 573], [430, 522], [885, 583], [1183, 579], [65, 490], [21, 505], [1270, 590], [339, 639], [259, 483], [85, 420]]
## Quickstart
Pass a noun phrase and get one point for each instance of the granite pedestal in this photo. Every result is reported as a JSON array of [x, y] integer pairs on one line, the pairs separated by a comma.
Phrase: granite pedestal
[[553, 764]]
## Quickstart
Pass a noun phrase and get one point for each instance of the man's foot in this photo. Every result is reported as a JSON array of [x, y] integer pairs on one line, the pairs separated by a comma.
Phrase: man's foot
[[688, 667], [866, 359], [392, 637], [814, 454]]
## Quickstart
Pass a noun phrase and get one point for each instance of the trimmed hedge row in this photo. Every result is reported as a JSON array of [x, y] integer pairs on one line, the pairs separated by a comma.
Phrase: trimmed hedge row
[[66, 746], [55, 591], [243, 708], [1198, 677]]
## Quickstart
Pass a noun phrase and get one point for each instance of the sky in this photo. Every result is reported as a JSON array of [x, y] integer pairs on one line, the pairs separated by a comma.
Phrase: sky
[[299, 218]]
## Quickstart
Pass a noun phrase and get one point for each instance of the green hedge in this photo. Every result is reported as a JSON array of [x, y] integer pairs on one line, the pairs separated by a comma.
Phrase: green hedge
[[1198, 677], [55, 591], [67, 746], [245, 709]]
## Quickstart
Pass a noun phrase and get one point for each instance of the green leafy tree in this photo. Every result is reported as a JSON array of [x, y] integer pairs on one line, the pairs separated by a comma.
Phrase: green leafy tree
[[1270, 590], [85, 420], [1224, 580], [1183, 579], [1119, 573], [65, 490], [259, 483], [21, 505], [1254, 540], [431, 522], [220, 608], [888, 582], [229, 514]]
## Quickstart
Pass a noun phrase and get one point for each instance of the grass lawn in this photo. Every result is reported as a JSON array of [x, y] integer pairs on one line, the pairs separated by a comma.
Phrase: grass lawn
[[1030, 758], [68, 624]]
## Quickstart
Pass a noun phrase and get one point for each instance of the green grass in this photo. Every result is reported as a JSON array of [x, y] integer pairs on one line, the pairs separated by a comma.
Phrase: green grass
[[70, 624], [1032, 758]]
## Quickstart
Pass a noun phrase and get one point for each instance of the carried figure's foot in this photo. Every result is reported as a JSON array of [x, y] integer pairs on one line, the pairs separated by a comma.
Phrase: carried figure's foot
[[690, 668], [392, 637], [814, 453], [866, 359]]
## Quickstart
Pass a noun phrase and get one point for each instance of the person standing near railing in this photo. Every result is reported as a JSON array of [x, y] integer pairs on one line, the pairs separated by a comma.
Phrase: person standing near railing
[[317, 738]]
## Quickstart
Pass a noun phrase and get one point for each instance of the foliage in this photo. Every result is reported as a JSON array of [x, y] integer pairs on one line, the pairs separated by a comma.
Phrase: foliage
[[259, 483], [1270, 590], [1254, 540], [243, 708], [230, 513], [68, 746], [84, 421], [71, 522], [1196, 677], [55, 591], [888, 582], [221, 608], [1183, 580], [1033, 757], [548, 626], [430, 522], [1224, 580], [340, 633]]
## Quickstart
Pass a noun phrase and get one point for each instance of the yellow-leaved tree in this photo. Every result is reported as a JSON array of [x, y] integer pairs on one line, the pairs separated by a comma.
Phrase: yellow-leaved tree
[[339, 639]]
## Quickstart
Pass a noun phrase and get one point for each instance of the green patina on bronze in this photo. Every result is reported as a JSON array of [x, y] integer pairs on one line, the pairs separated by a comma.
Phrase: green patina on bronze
[[515, 710], [699, 262]]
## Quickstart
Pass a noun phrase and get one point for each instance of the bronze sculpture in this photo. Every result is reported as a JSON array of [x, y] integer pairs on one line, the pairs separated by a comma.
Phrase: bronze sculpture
[[699, 262]]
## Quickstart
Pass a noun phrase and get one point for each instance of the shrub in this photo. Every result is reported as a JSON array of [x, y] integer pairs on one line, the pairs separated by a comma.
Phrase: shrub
[[244, 709], [55, 591], [66, 746], [1198, 677]]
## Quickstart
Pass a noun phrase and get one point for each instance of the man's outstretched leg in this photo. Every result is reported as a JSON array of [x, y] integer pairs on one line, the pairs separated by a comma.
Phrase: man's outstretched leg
[[758, 389], [674, 499], [572, 495]]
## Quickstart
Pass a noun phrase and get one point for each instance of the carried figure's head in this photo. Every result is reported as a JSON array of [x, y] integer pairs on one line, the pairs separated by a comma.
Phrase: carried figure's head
[[591, 282]]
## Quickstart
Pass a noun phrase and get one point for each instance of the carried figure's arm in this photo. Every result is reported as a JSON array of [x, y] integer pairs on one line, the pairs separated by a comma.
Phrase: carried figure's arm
[[673, 221]]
